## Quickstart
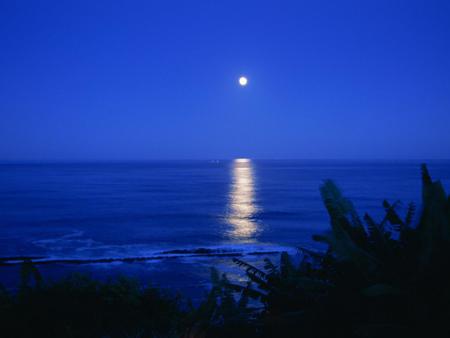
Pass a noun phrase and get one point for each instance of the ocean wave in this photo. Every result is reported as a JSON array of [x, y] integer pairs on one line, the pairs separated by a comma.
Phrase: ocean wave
[[232, 250]]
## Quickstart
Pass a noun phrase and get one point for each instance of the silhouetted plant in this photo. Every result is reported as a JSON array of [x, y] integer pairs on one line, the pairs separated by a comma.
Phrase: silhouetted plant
[[376, 279], [221, 314], [78, 306]]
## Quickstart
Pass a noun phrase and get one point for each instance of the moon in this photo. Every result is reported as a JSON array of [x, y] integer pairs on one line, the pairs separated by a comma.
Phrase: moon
[[243, 81]]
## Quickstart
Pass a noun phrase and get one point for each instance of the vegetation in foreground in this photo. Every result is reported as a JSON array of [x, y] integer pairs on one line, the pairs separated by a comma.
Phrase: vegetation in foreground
[[79, 306], [386, 278]]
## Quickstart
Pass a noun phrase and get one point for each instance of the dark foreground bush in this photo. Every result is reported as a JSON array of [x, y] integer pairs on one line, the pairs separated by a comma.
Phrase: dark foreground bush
[[386, 278], [79, 306]]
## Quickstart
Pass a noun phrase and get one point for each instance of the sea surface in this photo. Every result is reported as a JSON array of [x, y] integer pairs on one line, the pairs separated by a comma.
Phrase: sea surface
[[168, 222]]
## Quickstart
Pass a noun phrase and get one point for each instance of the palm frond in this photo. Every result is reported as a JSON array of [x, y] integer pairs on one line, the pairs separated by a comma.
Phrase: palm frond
[[271, 268], [410, 214], [250, 268]]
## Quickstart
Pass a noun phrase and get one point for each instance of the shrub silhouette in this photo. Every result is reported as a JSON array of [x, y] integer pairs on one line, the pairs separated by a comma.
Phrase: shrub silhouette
[[376, 279], [79, 306]]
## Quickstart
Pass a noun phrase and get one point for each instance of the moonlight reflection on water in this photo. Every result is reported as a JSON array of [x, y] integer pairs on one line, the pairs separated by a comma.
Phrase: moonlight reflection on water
[[242, 205]]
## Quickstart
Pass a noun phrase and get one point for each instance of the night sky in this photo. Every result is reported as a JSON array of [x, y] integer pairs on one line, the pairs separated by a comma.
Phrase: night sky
[[142, 80]]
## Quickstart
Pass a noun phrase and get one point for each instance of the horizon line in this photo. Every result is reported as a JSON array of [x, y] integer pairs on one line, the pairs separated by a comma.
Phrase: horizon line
[[375, 159]]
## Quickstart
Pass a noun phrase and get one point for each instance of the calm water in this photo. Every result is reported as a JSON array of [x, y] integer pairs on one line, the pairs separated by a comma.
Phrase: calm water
[[112, 210]]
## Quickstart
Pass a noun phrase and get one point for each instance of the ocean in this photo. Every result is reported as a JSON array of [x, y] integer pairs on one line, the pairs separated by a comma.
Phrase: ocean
[[168, 222]]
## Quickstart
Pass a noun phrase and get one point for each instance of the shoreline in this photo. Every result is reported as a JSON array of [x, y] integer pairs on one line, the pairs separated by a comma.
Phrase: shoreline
[[11, 261]]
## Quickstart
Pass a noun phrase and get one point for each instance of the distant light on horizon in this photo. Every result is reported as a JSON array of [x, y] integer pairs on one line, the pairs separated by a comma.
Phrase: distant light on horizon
[[243, 81]]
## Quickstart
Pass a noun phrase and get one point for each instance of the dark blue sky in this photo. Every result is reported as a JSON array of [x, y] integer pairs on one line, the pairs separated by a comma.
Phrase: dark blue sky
[[158, 79]]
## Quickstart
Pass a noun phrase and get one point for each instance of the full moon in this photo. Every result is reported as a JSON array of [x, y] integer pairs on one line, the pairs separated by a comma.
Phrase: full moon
[[243, 81]]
